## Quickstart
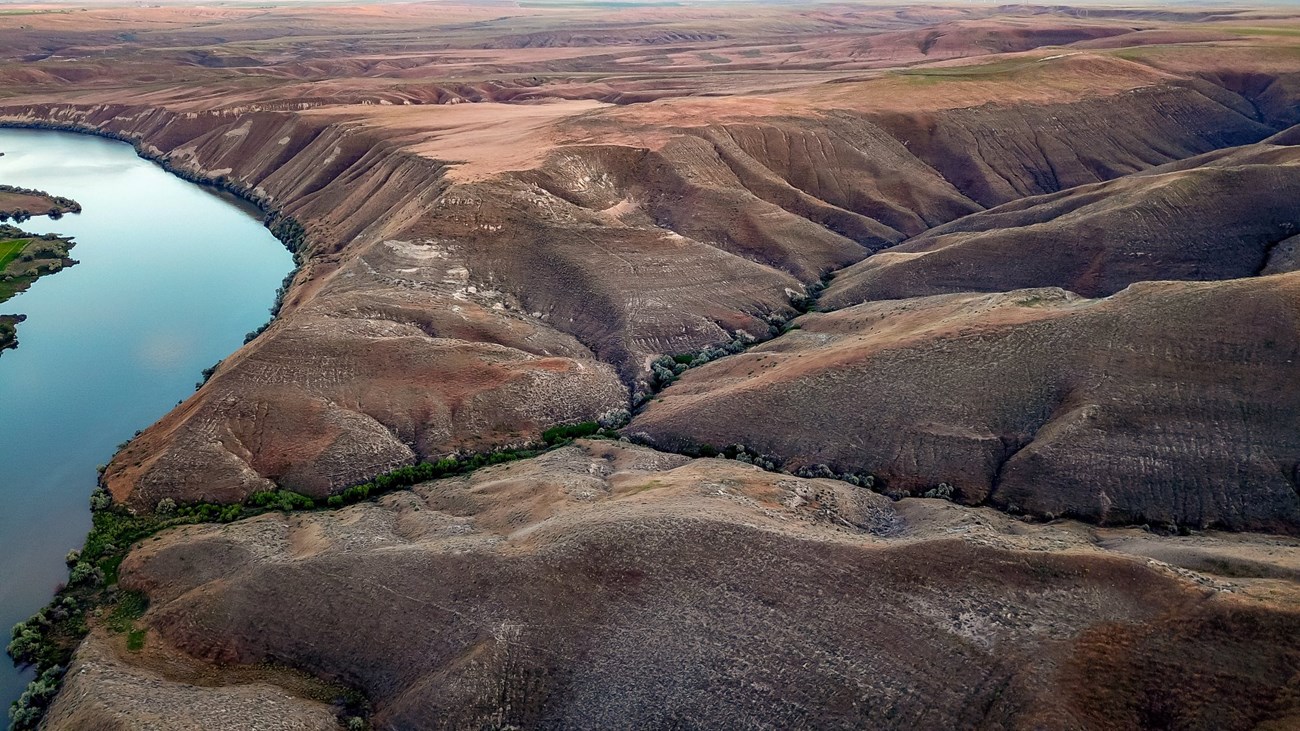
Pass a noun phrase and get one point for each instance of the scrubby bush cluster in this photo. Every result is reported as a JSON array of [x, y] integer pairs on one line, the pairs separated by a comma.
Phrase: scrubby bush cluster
[[569, 432], [943, 491], [773, 463], [8, 329], [276, 306], [288, 230], [614, 419], [207, 372], [814, 471], [777, 323], [449, 466], [26, 712], [100, 499], [29, 640], [806, 301], [83, 573], [666, 368], [740, 453], [285, 500], [446, 467]]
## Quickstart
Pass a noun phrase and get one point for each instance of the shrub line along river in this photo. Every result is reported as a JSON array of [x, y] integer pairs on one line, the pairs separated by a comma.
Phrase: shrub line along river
[[171, 277]]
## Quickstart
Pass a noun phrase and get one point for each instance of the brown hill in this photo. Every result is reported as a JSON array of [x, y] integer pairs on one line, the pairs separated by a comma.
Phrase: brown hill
[[609, 234], [505, 212], [1165, 403], [604, 585]]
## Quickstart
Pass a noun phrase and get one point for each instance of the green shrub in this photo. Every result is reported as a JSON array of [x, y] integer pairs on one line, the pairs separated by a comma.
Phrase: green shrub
[[100, 499], [285, 500], [569, 432], [27, 711], [83, 573]]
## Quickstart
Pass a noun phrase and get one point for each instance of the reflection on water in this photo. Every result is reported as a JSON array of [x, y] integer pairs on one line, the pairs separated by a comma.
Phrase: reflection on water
[[171, 278]]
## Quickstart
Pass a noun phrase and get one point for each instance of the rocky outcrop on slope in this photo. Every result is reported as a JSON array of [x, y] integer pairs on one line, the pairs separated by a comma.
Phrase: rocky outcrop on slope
[[1166, 403], [606, 585]]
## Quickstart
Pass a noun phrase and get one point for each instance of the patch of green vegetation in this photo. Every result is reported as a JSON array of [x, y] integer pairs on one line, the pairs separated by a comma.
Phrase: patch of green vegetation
[[135, 640], [453, 466], [37, 255], [1263, 31], [48, 638], [569, 432], [8, 330], [29, 709], [285, 500], [970, 72], [10, 249], [130, 607]]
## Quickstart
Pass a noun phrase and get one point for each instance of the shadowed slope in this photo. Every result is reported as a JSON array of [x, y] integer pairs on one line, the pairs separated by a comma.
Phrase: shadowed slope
[[1216, 216]]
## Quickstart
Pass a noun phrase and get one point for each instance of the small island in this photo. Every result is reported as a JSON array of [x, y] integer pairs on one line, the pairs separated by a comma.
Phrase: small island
[[20, 204], [24, 258]]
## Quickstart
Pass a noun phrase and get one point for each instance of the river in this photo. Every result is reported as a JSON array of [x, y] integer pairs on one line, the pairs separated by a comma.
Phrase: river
[[171, 277]]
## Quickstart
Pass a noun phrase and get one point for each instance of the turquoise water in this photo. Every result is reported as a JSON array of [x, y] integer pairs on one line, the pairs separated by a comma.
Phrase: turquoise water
[[172, 276]]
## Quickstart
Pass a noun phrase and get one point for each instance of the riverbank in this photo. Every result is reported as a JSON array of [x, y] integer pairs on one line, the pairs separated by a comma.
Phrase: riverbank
[[154, 304], [20, 204]]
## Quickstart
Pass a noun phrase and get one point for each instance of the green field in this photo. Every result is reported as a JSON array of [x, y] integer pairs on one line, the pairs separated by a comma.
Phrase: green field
[[10, 249], [972, 72], [1264, 31]]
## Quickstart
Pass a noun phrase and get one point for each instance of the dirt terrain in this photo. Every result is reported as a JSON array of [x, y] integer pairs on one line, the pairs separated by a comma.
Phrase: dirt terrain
[[607, 585], [23, 203], [1040, 261]]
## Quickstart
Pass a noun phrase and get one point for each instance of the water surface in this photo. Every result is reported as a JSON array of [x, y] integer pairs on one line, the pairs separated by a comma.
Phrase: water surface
[[172, 276]]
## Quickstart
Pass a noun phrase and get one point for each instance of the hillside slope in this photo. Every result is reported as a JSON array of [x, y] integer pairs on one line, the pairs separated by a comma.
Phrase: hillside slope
[[608, 585], [1167, 403]]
